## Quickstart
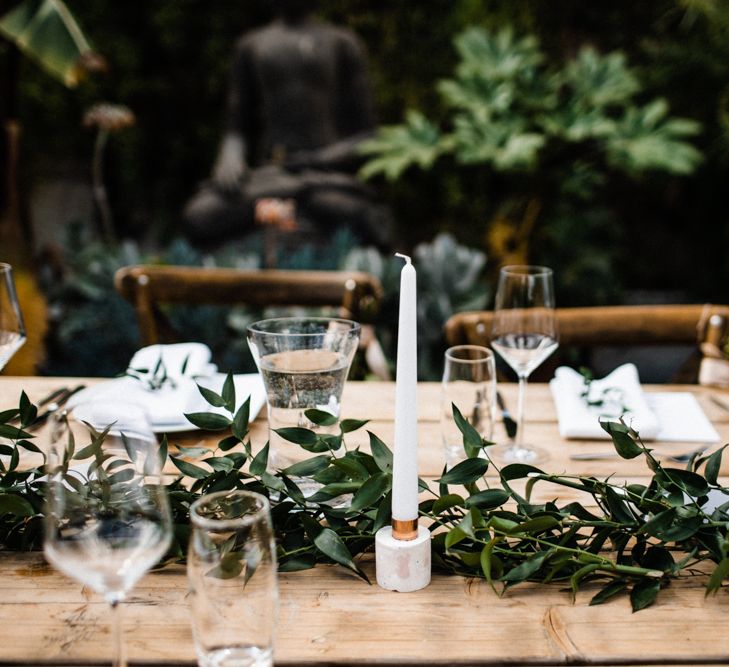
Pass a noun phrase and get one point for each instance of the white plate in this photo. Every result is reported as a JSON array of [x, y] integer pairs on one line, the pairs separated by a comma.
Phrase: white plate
[[249, 384]]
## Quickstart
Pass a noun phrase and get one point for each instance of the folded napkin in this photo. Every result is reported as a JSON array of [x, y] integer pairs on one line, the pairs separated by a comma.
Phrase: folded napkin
[[165, 402], [165, 405], [163, 379], [165, 408], [681, 418], [620, 393], [177, 360]]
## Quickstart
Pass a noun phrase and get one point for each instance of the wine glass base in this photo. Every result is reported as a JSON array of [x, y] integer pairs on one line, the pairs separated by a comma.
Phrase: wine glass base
[[511, 453]]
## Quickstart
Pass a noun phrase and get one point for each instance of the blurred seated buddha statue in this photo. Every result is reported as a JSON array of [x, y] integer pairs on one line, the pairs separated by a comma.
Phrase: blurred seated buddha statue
[[299, 104]]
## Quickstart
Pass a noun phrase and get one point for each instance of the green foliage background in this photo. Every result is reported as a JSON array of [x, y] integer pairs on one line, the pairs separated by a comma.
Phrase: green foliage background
[[169, 61]]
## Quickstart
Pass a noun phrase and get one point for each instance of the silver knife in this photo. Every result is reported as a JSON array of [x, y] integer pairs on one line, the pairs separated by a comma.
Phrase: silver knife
[[509, 424]]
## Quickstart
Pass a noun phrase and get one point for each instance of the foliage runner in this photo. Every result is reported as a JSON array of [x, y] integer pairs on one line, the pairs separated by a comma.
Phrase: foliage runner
[[636, 539]]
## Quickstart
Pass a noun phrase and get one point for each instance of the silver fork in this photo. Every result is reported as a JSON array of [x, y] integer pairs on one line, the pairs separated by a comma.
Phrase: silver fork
[[678, 458]]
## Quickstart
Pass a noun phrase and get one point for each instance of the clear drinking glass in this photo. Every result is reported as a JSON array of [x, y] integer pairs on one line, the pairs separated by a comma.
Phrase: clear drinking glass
[[107, 518], [469, 382], [304, 363], [231, 569], [12, 329], [524, 334]]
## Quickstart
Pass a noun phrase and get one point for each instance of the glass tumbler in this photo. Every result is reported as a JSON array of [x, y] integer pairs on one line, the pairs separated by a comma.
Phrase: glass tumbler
[[231, 569], [304, 363], [469, 382]]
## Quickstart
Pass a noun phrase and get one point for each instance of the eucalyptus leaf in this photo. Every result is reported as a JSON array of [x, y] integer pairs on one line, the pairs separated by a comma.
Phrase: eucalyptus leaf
[[329, 491], [349, 425], [241, 419], [220, 463], [624, 444], [28, 411], [13, 432], [7, 415], [211, 397], [15, 505], [320, 417], [609, 591], [208, 421], [537, 525], [381, 453], [331, 545], [472, 440], [447, 502], [352, 467], [371, 491], [465, 472], [226, 444], [618, 507], [384, 513], [162, 452], [644, 594], [713, 466], [526, 569], [229, 567], [658, 558], [309, 467], [690, 482], [489, 499], [518, 471], [297, 563], [682, 529], [260, 461], [298, 435], [658, 523], [228, 393], [189, 469], [721, 572]]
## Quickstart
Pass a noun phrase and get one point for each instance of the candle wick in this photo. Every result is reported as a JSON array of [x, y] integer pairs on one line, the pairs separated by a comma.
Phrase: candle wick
[[405, 257]]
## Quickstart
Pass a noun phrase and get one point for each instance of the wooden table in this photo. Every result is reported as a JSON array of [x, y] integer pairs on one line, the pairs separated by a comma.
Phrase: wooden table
[[329, 617]]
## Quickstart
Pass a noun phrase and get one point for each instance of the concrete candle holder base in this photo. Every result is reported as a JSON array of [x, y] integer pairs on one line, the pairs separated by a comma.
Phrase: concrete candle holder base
[[402, 565]]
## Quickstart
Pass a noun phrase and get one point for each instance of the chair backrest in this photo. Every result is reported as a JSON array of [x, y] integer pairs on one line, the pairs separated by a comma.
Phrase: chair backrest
[[600, 326], [356, 294]]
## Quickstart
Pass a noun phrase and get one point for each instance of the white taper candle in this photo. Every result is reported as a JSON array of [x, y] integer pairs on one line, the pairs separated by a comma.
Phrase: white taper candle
[[405, 457]]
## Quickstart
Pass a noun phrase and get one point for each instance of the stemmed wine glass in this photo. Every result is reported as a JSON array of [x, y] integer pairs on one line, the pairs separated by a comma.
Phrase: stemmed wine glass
[[12, 329], [107, 517], [524, 334]]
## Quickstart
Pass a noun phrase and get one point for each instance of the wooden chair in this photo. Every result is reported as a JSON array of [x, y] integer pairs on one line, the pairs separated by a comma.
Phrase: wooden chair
[[607, 326], [356, 295]]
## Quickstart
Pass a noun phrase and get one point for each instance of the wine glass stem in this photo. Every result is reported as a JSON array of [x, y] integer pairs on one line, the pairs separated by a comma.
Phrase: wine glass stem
[[120, 659], [519, 442]]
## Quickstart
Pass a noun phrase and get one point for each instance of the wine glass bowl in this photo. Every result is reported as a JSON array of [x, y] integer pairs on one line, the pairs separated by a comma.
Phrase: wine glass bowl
[[469, 383], [12, 328], [107, 518], [524, 334]]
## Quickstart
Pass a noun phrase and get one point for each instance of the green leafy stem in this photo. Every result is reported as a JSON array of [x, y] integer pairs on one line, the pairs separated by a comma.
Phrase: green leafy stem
[[327, 507]]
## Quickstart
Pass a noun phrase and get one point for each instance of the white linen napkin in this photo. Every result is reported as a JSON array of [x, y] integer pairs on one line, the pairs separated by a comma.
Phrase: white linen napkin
[[169, 401], [164, 402], [681, 418], [577, 419], [166, 405], [165, 408], [193, 357]]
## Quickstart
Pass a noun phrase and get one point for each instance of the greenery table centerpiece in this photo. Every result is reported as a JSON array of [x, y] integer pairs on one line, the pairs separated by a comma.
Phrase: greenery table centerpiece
[[625, 537]]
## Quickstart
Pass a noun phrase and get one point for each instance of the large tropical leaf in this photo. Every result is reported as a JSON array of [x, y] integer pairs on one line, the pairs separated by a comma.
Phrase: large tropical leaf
[[397, 147], [47, 32], [648, 138]]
